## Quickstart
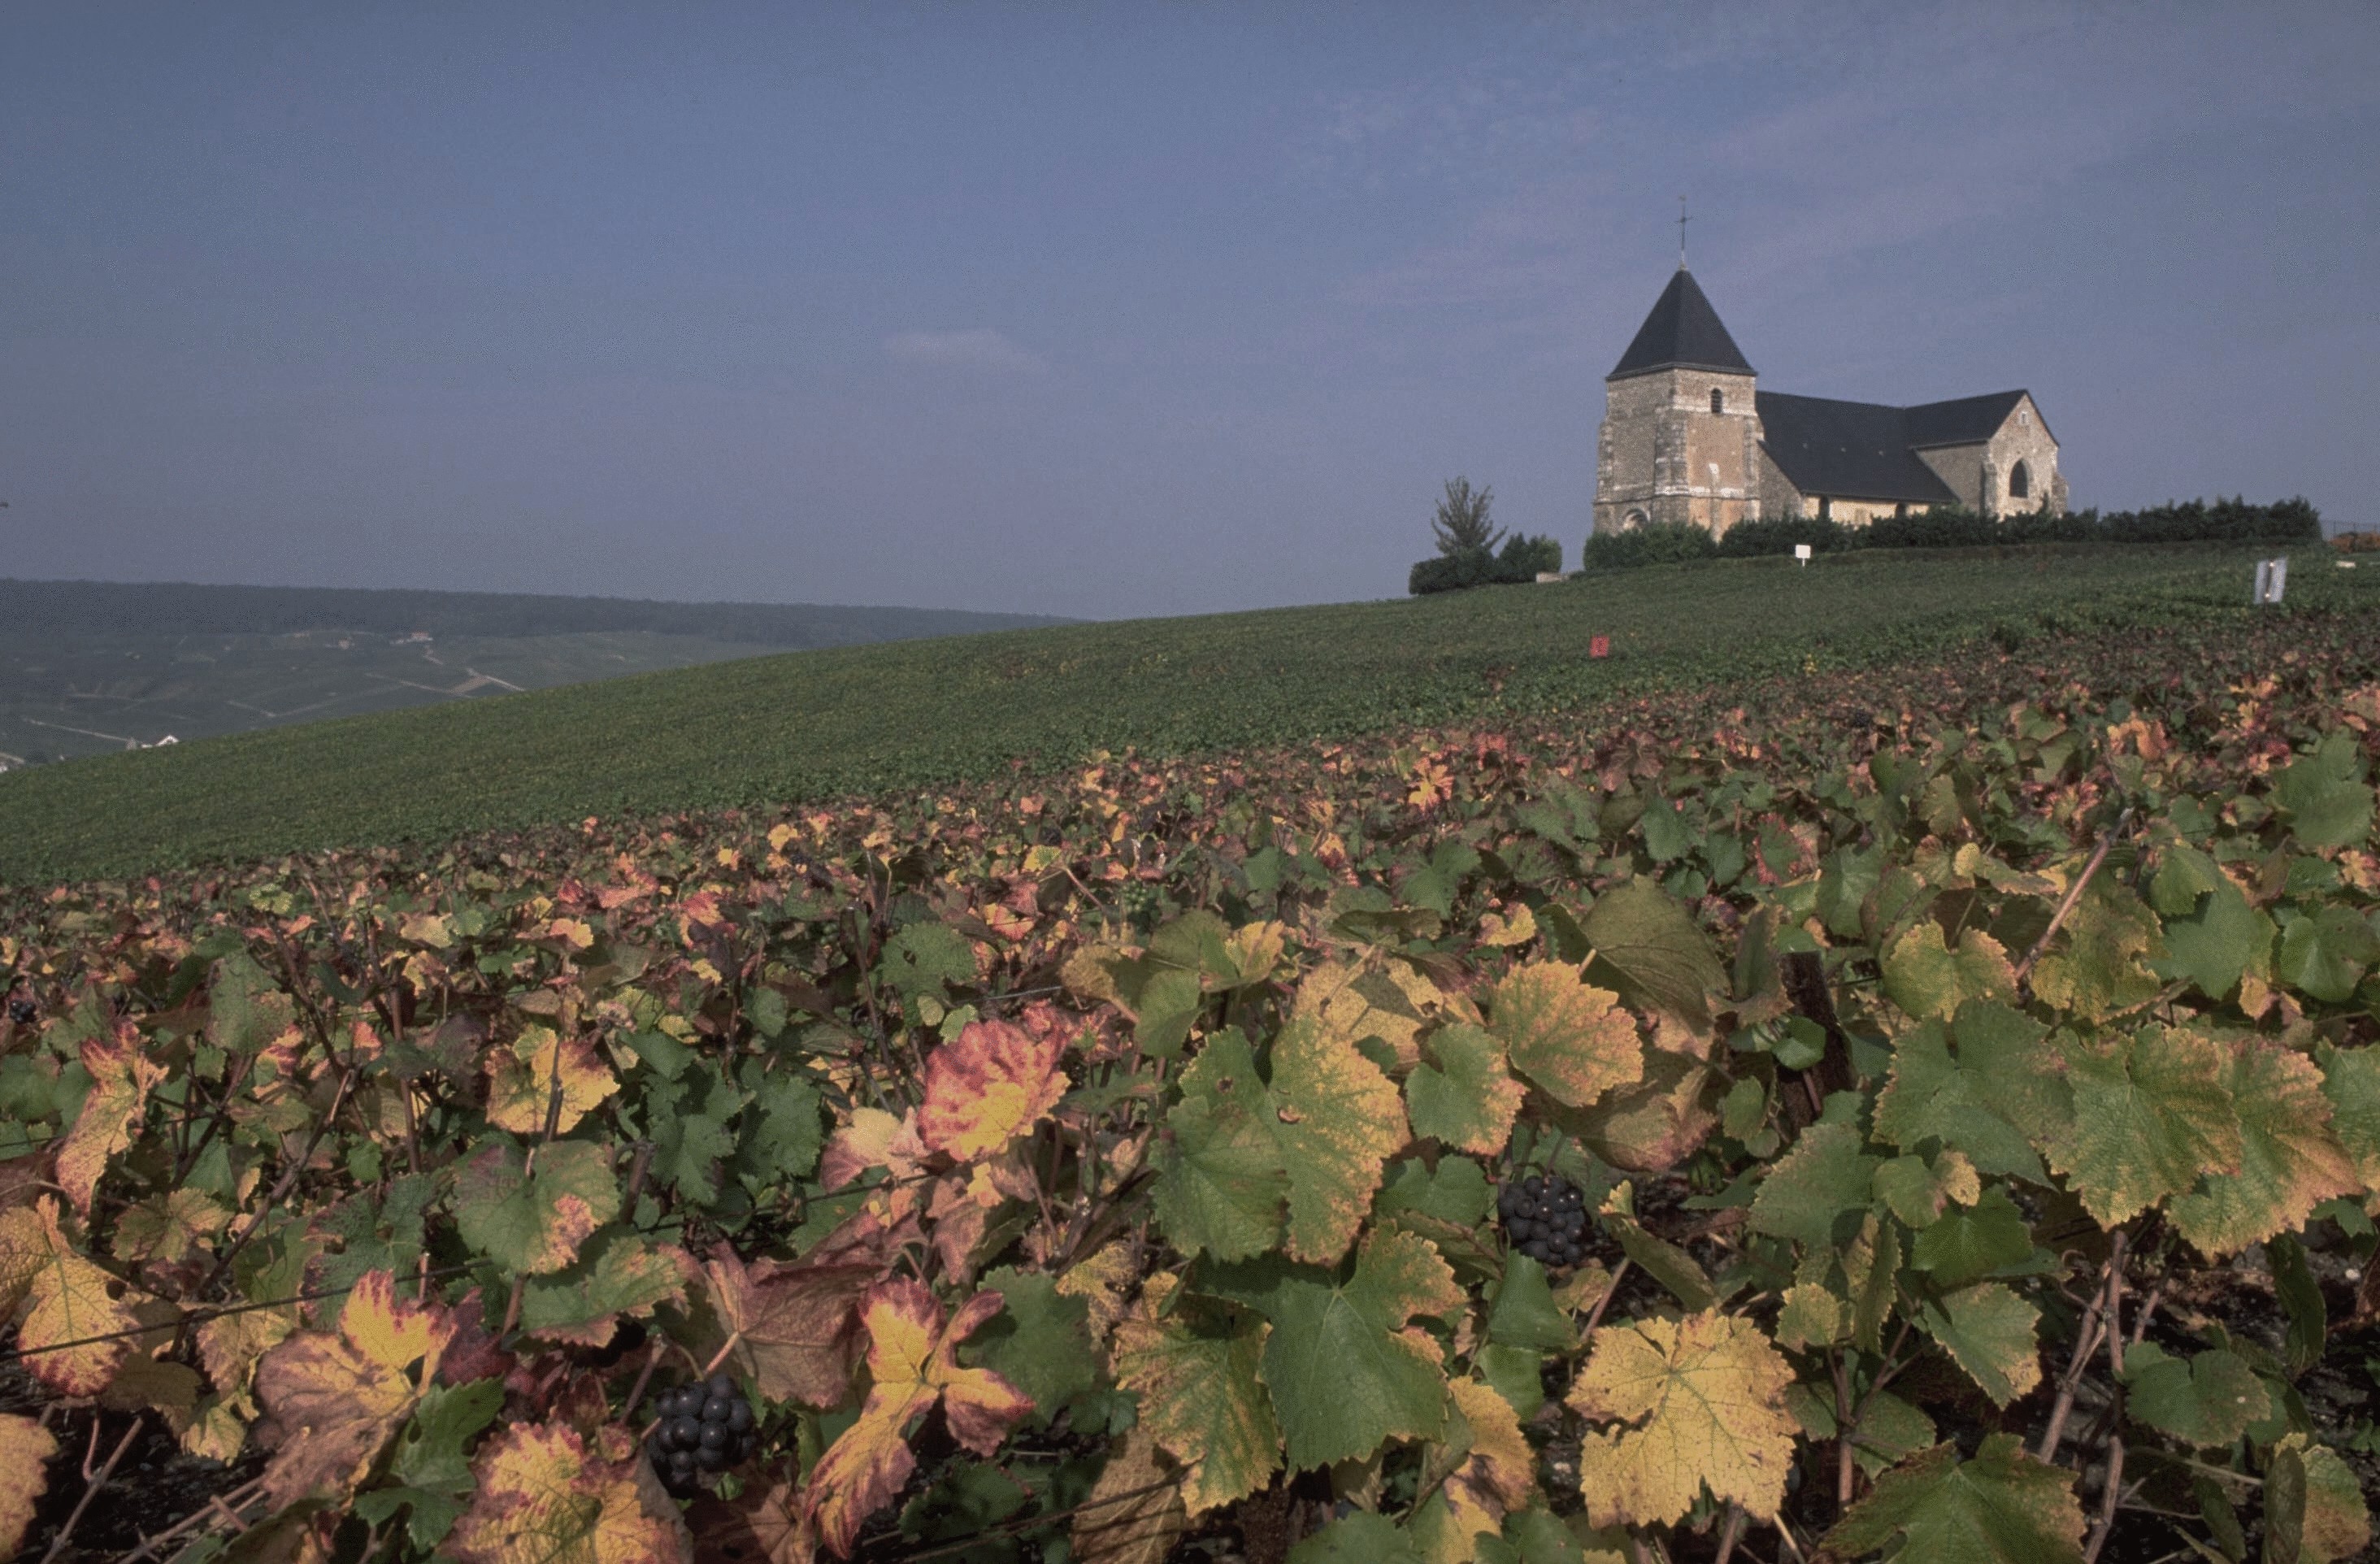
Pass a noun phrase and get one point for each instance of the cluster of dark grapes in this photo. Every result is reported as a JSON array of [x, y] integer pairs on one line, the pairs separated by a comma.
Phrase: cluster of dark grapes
[[1546, 1219], [22, 1011], [703, 1428]]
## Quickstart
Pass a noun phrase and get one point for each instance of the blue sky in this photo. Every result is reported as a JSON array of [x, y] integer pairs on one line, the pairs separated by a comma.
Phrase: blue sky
[[1113, 309]]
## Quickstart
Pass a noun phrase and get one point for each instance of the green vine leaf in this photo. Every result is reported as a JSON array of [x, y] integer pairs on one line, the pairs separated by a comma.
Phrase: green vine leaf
[[1988, 1331], [2001, 1508], [2152, 1113]]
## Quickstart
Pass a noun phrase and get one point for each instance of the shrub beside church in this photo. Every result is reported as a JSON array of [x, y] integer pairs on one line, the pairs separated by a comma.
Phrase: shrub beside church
[[1467, 551]]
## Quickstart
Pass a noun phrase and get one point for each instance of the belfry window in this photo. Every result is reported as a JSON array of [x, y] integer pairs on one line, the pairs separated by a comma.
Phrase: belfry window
[[2019, 482], [1718, 400]]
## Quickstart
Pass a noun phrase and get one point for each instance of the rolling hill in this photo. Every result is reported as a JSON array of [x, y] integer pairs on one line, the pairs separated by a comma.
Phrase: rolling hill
[[924, 714]]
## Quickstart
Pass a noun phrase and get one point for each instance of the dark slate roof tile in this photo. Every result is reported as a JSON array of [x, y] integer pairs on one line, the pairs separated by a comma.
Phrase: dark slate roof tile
[[1969, 420]]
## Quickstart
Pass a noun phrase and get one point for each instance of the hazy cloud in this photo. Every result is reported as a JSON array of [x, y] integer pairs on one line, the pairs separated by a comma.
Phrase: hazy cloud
[[982, 348]]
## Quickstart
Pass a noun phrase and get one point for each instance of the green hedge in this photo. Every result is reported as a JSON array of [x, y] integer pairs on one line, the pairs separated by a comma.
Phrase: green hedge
[[1522, 559], [2193, 521]]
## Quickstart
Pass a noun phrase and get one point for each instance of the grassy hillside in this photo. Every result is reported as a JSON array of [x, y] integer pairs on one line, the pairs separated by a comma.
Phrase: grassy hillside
[[908, 714], [94, 667]]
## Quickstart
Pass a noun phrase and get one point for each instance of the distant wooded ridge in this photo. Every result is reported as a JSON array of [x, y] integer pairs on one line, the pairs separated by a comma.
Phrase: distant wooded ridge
[[48, 609]]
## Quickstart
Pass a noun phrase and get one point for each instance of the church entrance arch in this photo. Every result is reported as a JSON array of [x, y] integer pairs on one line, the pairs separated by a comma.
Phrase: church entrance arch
[[2019, 482]]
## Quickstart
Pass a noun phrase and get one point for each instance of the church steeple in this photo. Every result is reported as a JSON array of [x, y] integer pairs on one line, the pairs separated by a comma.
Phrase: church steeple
[[1682, 333]]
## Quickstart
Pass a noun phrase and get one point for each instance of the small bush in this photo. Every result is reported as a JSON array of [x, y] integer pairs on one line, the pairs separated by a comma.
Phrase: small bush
[[1652, 543], [1524, 559]]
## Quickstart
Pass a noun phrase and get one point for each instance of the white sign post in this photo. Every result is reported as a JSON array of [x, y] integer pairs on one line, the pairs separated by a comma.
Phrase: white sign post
[[2272, 578], [1802, 552]]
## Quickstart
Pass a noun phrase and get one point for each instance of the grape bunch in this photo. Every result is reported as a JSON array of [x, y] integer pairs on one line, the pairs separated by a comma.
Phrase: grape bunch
[[1546, 1219], [22, 1011], [701, 1428]]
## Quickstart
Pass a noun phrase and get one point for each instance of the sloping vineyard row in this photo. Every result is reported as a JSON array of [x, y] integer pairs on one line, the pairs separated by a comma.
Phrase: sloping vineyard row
[[1844, 1119]]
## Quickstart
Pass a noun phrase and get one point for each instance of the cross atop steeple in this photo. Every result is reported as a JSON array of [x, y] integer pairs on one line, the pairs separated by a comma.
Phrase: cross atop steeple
[[1682, 233]]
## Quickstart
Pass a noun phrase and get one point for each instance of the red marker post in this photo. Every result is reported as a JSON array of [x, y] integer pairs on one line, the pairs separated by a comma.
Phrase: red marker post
[[1598, 645]]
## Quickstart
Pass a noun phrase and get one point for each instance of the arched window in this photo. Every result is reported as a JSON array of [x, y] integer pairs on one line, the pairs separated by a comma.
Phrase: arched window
[[2019, 482], [1718, 400], [1634, 518]]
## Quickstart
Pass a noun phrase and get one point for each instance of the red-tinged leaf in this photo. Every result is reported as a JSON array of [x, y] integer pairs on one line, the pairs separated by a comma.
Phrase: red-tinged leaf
[[333, 1399], [873, 1139], [121, 1076], [995, 1083], [67, 1302], [549, 1495], [911, 1359], [25, 1445], [795, 1329]]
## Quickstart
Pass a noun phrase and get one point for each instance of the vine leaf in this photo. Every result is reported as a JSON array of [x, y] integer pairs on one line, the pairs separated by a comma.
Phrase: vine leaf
[[1703, 1403], [67, 1301], [1569, 1036], [2103, 965], [2205, 1399], [1989, 1331], [2314, 1506], [1925, 977], [2323, 795], [121, 1076], [1346, 1370], [1135, 1513], [521, 1081], [2351, 1081], [2212, 936], [1657, 951], [1040, 1342], [1808, 1189], [2151, 1114], [2001, 1508], [912, 1357], [1461, 1092], [1362, 1536], [332, 1398], [1220, 1175], [25, 1445], [1997, 1095], [1201, 1398], [794, 1330], [1967, 1245], [618, 1273], [533, 1221], [2289, 1162], [547, 1493], [1320, 1137], [1496, 1474], [1338, 1119], [2324, 954], [995, 1083]]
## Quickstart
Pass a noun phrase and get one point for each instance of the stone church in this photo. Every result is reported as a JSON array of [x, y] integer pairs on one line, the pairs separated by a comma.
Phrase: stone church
[[1688, 435]]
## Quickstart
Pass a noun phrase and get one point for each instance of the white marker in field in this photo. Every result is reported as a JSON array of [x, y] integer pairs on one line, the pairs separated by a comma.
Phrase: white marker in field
[[1802, 552], [2272, 578]]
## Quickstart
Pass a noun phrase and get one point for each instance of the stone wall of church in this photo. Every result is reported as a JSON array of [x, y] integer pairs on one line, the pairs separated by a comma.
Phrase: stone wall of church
[[1980, 474], [1778, 495], [2023, 438], [1663, 456]]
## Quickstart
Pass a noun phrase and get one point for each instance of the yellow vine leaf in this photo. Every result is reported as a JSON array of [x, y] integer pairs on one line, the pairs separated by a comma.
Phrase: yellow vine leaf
[[873, 1139], [1496, 1476], [521, 1081], [1700, 1401], [912, 1356], [549, 1495], [1135, 1513], [333, 1399], [66, 1300], [121, 1075], [995, 1083], [24, 1446], [1101, 1280], [1563, 1033]]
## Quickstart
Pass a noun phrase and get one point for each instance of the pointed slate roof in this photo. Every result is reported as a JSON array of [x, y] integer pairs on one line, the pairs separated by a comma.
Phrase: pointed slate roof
[[1683, 332]]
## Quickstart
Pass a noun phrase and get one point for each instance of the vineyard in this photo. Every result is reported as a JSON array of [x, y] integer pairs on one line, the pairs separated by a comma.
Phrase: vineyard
[[1921, 1107], [960, 711]]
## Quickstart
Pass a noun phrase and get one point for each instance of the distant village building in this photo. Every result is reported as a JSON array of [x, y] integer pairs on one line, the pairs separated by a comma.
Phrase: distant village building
[[1688, 436]]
